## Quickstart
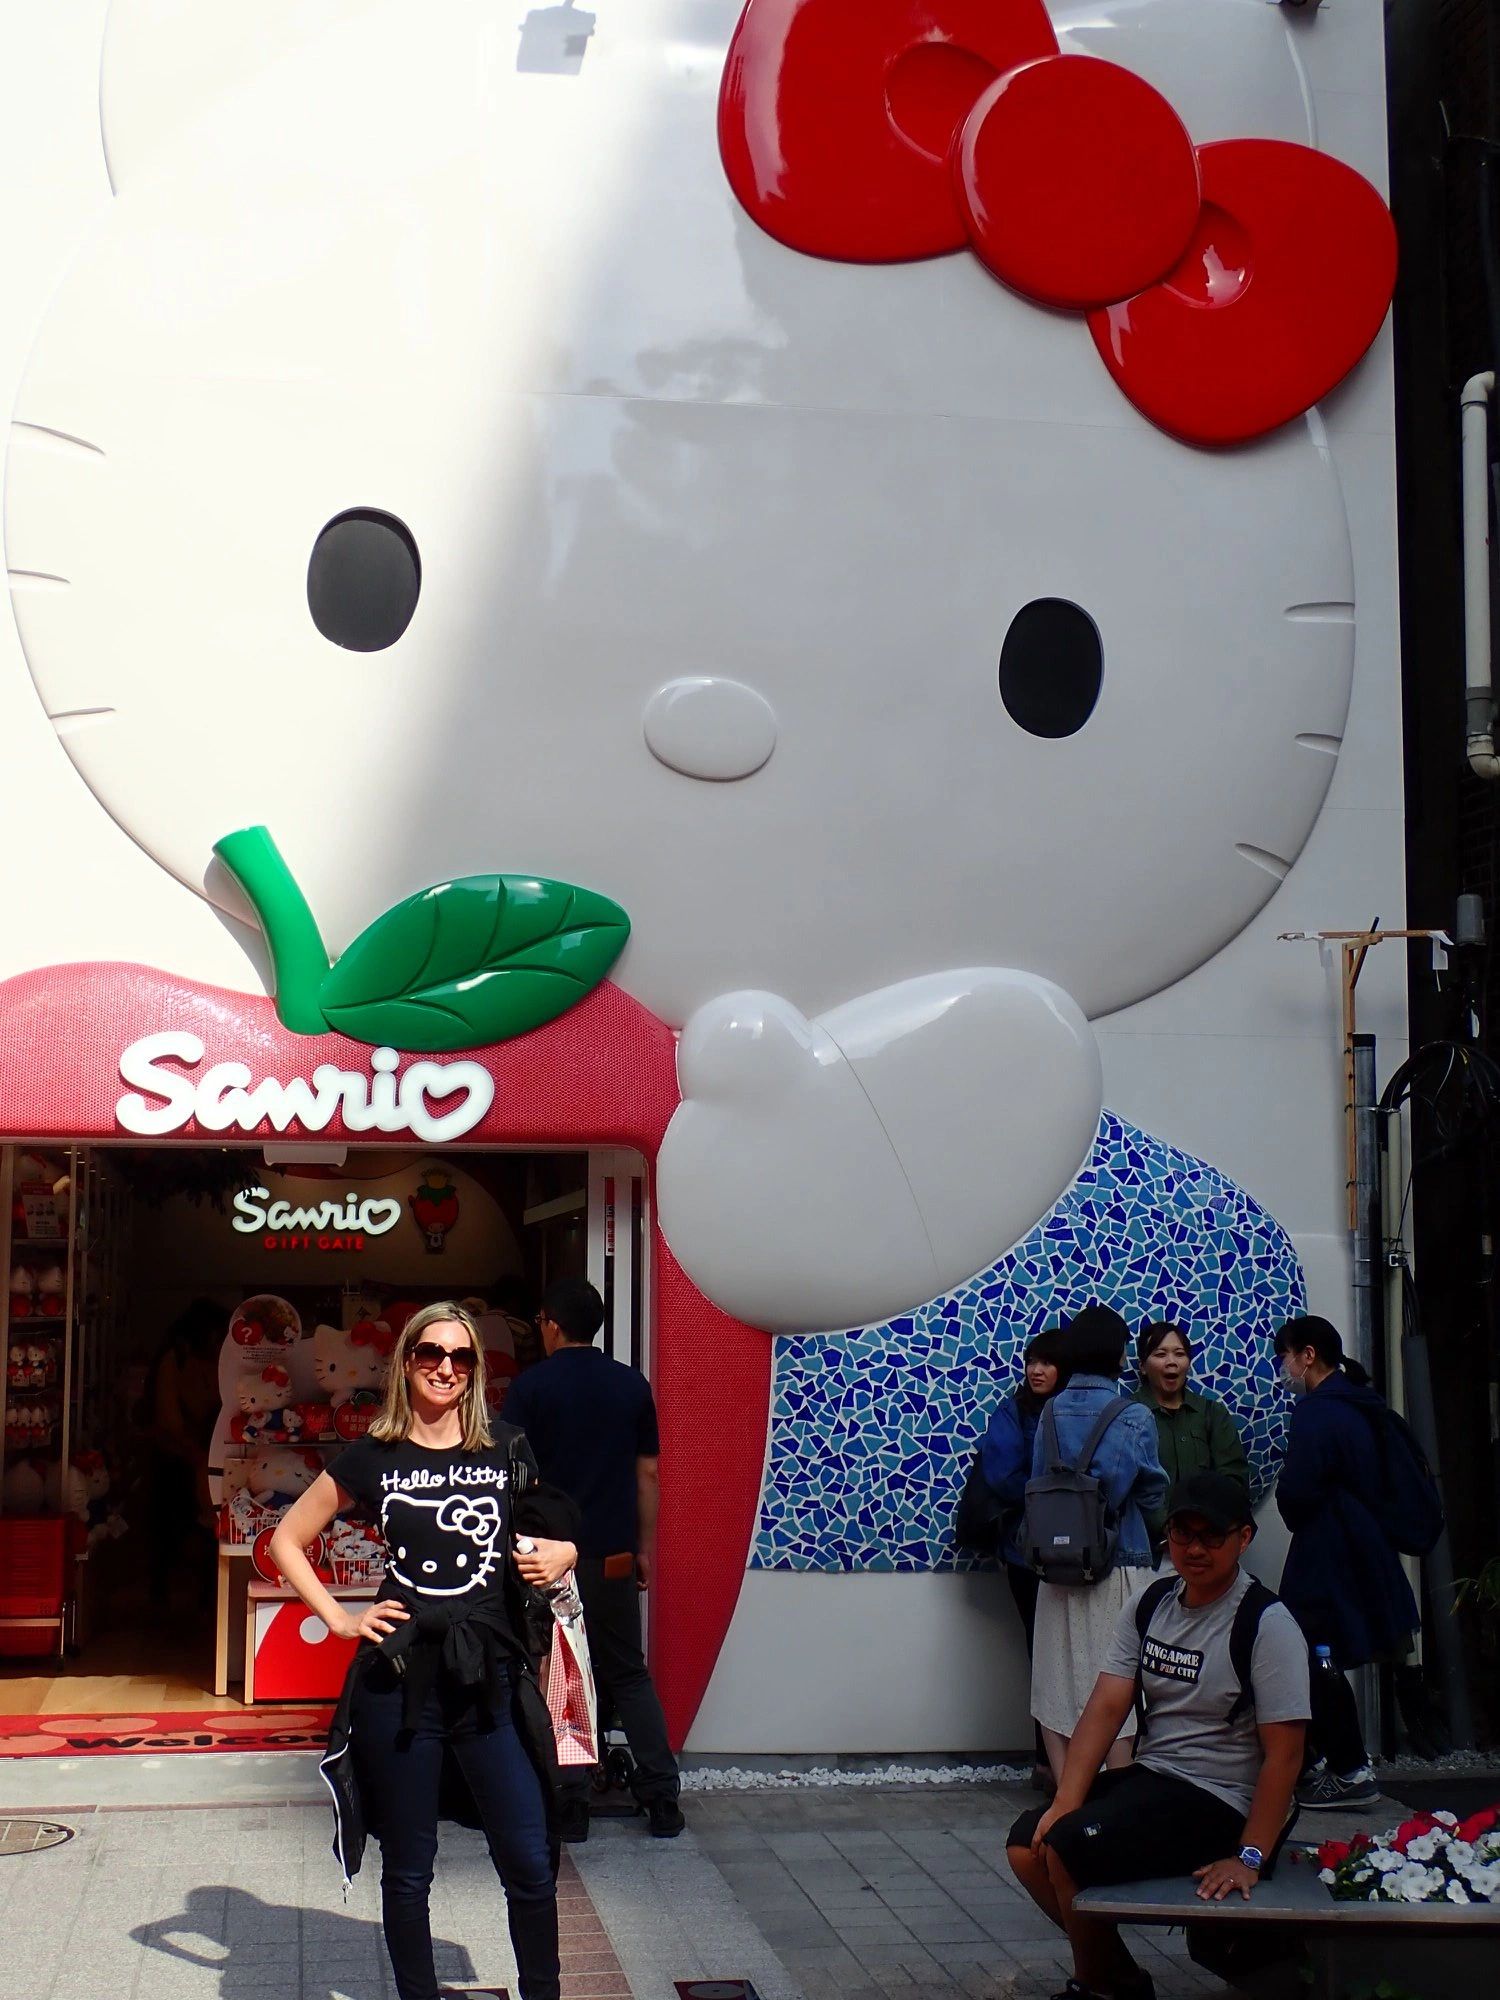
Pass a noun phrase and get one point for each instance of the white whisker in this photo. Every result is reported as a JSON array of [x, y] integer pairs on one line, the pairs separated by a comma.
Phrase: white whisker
[[51, 436], [37, 579], [1328, 745], [1337, 611], [1274, 864], [68, 721]]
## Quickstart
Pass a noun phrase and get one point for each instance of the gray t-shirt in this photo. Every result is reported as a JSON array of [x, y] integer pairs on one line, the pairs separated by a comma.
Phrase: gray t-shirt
[[1190, 1685]]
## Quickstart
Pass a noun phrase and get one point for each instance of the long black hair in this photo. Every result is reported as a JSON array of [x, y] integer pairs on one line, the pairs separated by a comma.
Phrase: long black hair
[[1045, 1346], [1323, 1338]]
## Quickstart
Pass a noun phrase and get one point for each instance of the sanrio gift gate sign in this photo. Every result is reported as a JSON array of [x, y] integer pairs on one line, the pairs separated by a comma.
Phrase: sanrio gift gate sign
[[371, 1217], [227, 1098]]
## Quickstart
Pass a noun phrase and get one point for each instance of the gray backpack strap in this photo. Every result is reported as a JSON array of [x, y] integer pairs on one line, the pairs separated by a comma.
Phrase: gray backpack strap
[[1095, 1437], [1052, 1457]]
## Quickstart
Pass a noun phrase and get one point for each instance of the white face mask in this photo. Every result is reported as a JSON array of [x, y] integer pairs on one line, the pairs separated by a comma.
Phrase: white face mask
[[1297, 1384]]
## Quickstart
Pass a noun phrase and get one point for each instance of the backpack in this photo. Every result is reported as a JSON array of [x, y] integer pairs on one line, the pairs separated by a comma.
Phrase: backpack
[[1410, 1509], [1068, 1528], [981, 1518], [1248, 1613]]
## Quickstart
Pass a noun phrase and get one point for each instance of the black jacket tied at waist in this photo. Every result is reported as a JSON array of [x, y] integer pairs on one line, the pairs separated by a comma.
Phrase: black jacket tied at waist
[[475, 1646]]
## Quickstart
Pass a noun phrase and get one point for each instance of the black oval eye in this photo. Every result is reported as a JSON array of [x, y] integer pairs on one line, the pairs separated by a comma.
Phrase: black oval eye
[[363, 580], [1051, 667]]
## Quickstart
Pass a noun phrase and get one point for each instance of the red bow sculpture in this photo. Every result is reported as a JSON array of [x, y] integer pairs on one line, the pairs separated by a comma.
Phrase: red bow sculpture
[[1227, 286], [373, 1333]]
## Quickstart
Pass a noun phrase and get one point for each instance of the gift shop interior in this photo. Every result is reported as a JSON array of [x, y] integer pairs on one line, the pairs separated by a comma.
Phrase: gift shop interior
[[191, 1333]]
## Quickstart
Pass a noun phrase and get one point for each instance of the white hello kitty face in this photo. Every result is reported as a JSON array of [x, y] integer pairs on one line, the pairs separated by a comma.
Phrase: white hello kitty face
[[737, 536], [442, 1548], [270, 1389], [340, 1364]]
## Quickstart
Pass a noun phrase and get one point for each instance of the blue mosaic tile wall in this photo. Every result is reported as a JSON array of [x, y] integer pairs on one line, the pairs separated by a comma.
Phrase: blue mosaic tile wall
[[872, 1430]]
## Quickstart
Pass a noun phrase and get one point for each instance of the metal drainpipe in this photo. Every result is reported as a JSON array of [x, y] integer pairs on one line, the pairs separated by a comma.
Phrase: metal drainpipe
[[1480, 712], [1368, 1300]]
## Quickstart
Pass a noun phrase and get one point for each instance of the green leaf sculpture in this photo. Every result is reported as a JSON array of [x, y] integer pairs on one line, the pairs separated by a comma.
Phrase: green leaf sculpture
[[463, 963]]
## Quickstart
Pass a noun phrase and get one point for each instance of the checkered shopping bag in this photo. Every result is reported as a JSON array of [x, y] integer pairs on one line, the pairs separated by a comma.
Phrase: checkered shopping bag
[[571, 1699]]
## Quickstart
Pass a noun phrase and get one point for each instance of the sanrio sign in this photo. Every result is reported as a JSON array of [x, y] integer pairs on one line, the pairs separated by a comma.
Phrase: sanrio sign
[[227, 1098], [254, 1212]]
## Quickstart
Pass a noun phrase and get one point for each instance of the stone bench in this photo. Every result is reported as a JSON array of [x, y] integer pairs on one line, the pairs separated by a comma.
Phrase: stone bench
[[1436, 1949]]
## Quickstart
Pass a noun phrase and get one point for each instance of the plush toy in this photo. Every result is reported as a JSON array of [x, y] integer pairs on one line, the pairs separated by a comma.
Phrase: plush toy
[[22, 1292], [24, 1490], [15, 1365], [236, 1476], [279, 1472], [41, 1363], [344, 1362], [263, 1395], [51, 1291], [88, 1496]]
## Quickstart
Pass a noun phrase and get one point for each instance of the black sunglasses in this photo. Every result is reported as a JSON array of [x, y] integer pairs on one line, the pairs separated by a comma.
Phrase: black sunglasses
[[432, 1354]]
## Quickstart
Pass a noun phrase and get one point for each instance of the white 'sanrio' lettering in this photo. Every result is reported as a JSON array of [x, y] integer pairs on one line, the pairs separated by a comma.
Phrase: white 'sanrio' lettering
[[226, 1096]]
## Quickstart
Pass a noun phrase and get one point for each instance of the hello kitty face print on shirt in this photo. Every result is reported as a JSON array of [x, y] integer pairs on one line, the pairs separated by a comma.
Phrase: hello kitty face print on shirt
[[445, 1515]]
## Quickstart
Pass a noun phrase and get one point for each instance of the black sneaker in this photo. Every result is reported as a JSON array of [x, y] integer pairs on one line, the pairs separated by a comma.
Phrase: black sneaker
[[665, 1818], [1325, 1791], [573, 1820]]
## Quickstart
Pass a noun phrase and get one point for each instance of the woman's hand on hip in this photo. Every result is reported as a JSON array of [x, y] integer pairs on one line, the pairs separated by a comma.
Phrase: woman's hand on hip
[[374, 1621], [544, 1562]]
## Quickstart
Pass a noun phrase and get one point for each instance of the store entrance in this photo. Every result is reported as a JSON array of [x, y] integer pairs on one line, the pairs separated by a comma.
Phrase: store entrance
[[191, 1332]]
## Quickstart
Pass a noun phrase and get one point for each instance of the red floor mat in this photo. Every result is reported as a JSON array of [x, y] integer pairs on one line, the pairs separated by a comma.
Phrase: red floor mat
[[174, 1730]]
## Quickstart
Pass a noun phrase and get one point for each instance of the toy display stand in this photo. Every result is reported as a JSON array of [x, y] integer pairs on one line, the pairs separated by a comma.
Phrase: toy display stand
[[290, 1654]]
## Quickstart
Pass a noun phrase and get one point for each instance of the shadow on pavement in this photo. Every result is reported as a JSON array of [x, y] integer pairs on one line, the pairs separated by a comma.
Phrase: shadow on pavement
[[234, 1934]]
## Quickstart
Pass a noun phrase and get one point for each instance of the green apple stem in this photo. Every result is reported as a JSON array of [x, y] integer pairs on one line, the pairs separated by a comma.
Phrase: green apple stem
[[297, 950]]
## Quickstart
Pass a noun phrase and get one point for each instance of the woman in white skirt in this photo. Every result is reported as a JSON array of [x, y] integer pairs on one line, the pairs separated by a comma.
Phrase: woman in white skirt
[[1075, 1622]]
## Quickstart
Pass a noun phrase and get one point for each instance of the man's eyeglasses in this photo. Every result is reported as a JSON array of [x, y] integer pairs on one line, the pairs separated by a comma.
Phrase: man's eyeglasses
[[432, 1354], [1183, 1537]]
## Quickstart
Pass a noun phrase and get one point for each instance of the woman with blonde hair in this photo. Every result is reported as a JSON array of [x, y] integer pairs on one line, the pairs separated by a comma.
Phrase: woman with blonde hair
[[444, 1674]]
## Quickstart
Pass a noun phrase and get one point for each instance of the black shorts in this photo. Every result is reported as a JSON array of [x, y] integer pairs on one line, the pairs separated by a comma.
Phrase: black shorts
[[1137, 1824]]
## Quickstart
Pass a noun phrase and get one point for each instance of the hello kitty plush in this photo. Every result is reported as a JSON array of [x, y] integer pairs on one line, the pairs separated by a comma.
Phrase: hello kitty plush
[[278, 1472], [51, 1291], [263, 1395], [22, 1292], [949, 702], [345, 1362]]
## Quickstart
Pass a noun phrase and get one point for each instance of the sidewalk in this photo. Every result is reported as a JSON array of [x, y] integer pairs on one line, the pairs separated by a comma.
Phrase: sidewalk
[[889, 1893]]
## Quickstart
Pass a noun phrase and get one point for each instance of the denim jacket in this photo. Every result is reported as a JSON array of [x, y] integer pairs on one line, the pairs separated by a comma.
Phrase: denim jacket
[[1126, 1461], [1005, 1459]]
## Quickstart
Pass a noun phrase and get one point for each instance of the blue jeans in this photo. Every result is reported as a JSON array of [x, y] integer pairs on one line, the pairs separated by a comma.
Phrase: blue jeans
[[400, 1776]]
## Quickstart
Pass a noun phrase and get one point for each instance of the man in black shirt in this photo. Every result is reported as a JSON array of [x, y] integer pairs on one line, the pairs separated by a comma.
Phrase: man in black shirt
[[591, 1422]]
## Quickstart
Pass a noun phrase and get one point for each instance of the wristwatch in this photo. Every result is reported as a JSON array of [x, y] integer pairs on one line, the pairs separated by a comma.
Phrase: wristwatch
[[1252, 1858]]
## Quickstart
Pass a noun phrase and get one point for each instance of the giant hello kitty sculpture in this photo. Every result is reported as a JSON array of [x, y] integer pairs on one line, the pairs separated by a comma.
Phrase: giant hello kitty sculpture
[[724, 543]]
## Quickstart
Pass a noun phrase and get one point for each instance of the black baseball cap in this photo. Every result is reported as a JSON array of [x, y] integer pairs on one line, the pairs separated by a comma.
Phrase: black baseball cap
[[1214, 1497]]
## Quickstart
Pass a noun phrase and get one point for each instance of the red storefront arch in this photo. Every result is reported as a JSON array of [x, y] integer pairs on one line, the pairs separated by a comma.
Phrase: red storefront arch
[[603, 1074]]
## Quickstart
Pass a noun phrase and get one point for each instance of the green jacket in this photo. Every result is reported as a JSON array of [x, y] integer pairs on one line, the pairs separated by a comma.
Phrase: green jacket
[[1200, 1437]]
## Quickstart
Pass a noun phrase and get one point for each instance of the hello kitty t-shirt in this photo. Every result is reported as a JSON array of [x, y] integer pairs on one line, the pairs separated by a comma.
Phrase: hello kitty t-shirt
[[444, 1514]]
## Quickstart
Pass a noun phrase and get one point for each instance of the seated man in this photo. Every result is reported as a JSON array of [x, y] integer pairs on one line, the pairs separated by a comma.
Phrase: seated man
[[1221, 1669]]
